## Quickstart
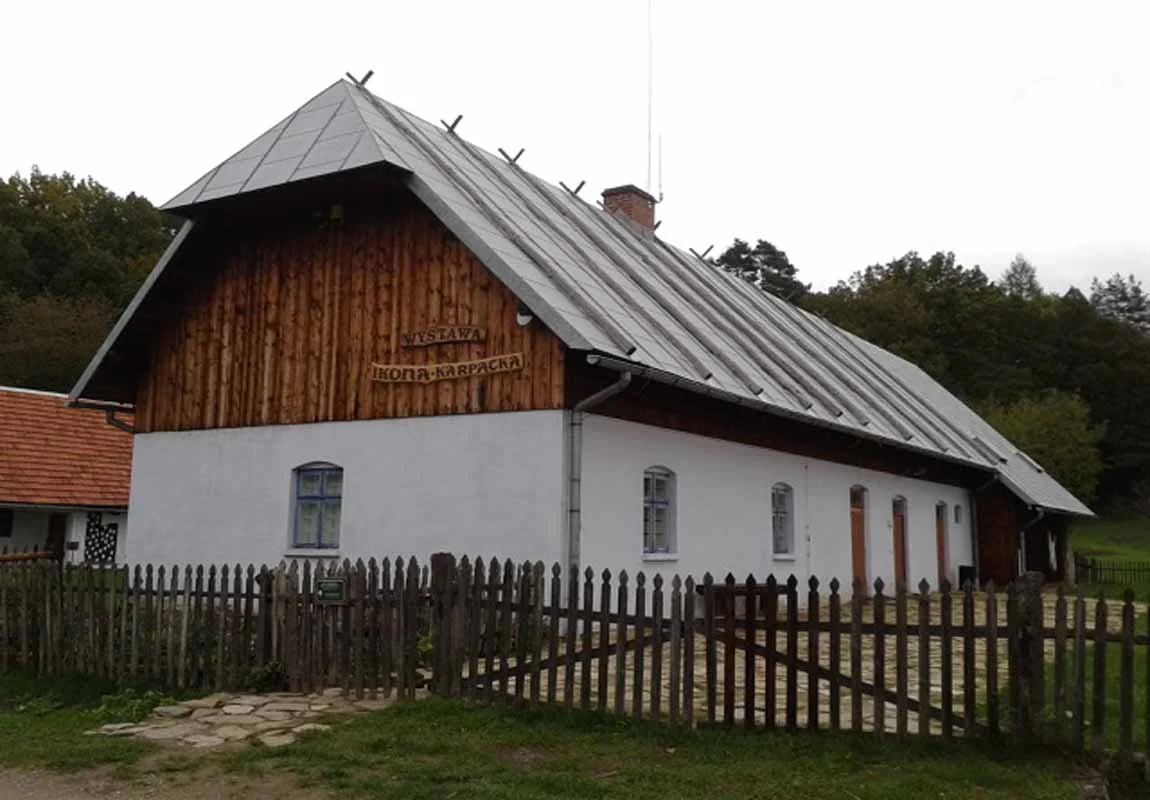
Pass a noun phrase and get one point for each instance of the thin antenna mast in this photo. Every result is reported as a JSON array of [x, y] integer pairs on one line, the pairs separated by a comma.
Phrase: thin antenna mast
[[650, 83], [660, 168]]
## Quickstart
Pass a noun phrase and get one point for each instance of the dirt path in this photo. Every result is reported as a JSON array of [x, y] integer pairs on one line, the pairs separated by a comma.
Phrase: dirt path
[[101, 785]]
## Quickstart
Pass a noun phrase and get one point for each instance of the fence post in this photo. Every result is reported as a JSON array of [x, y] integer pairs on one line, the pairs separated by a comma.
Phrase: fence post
[[442, 578], [1029, 655]]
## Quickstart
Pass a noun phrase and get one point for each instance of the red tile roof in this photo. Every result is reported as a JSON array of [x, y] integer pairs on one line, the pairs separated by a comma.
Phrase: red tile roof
[[54, 455]]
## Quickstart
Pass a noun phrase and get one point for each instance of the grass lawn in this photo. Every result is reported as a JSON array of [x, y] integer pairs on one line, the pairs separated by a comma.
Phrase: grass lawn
[[42, 721], [438, 749], [1112, 689], [1112, 538]]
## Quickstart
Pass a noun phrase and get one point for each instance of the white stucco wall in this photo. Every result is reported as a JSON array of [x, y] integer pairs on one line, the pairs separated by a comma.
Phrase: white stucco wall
[[723, 514], [483, 484]]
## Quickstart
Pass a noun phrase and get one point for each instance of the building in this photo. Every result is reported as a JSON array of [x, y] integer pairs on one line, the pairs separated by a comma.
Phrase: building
[[372, 338], [64, 476]]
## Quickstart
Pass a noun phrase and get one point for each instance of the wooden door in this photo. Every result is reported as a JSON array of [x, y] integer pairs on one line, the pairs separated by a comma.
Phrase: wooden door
[[940, 540], [899, 543], [858, 544], [57, 533]]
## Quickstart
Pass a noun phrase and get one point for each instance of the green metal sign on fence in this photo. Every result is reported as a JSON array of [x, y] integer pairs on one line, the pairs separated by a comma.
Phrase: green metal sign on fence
[[331, 590]]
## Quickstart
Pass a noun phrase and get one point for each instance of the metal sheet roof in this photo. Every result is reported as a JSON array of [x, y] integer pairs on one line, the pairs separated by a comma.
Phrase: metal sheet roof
[[603, 284]]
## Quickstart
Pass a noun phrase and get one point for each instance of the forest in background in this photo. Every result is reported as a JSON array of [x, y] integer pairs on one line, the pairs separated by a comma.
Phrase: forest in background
[[1066, 377]]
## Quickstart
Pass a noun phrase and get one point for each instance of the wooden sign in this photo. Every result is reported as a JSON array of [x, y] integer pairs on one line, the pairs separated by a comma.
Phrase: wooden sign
[[331, 590], [443, 334], [429, 373]]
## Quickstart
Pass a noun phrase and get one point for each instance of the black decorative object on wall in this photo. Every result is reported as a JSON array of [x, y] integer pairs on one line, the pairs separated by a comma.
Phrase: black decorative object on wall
[[100, 539]]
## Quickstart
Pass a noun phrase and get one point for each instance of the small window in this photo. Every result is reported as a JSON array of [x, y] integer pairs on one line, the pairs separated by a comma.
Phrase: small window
[[783, 520], [7, 517], [958, 515], [658, 510], [318, 500]]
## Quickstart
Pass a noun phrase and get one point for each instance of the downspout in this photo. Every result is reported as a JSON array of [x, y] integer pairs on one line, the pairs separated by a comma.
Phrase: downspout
[[974, 526], [575, 460]]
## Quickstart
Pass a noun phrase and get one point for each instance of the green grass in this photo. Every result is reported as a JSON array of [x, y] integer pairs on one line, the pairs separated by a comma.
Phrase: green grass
[[1112, 690], [43, 719], [1127, 538], [438, 749]]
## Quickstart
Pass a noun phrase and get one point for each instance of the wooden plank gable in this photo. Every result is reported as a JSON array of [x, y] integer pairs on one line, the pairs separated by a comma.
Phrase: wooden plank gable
[[286, 317]]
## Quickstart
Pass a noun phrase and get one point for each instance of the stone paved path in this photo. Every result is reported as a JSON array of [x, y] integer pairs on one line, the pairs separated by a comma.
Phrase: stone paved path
[[273, 719]]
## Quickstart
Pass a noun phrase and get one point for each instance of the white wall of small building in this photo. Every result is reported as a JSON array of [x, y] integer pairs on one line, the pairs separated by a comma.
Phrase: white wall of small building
[[481, 484], [723, 509], [30, 529]]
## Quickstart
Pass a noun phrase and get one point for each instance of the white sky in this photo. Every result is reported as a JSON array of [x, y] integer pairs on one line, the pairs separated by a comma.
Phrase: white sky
[[845, 133]]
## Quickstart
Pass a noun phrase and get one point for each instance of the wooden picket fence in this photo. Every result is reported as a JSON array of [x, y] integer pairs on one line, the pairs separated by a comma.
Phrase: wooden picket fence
[[1111, 572], [1016, 661]]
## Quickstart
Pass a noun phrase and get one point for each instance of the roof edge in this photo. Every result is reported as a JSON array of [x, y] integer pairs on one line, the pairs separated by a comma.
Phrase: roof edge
[[491, 260], [129, 312]]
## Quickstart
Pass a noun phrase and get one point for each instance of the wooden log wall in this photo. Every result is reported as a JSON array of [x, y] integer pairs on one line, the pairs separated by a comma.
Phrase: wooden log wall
[[284, 319]]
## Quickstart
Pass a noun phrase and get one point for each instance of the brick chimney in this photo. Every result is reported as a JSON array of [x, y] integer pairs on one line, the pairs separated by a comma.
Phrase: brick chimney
[[632, 202]]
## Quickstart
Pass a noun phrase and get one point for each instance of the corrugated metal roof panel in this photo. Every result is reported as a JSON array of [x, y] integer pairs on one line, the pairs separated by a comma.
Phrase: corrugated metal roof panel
[[602, 283]]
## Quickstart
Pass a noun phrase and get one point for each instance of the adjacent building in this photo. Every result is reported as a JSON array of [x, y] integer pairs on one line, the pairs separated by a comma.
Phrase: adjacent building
[[371, 337], [64, 475]]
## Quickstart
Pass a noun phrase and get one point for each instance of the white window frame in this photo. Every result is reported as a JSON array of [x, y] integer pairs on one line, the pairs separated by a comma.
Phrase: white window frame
[[652, 502], [326, 500], [957, 513], [783, 519]]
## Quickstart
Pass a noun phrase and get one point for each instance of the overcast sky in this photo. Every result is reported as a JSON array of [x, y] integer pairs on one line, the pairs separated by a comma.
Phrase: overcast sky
[[845, 133]]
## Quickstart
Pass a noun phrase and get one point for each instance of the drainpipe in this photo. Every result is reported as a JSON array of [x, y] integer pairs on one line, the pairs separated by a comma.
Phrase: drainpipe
[[974, 526], [575, 460]]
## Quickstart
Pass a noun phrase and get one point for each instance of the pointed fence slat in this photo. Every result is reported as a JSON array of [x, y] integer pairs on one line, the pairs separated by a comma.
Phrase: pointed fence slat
[[856, 655], [729, 624], [676, 655], [1098, 717], [621, 646], [879, 659], [924, 655], [553, 632], [792, 653], [1079, 738], [586, 645], [813, 654], [689, 652], [770, 670], [835, 655], [969, 680], [572, 633], [1126, 686], [750, 605], [901, 658], [640, 633], [604, 655], [1059, 722], [656, 703], [946, 659]]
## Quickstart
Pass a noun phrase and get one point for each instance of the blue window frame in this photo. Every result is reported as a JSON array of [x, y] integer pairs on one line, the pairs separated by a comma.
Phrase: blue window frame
[[318, 502]]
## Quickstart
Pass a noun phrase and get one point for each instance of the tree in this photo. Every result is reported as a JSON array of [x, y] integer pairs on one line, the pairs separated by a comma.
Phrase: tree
[[46, 341], [1021, 279], [68, 238], [764, 266], [1055, 430], [1122, 299], [71, 254]]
